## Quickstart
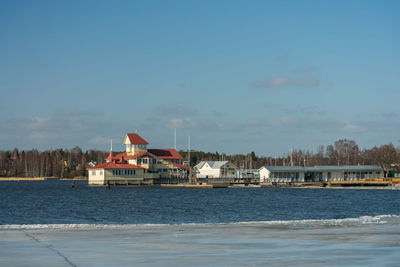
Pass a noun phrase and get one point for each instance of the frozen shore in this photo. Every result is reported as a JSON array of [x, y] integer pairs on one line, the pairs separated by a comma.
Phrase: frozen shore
[[234, 244]]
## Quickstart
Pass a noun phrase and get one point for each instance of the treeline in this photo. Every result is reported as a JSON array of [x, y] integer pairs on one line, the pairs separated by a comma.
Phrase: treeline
[[74, 162], [341, 152], [50, 163]]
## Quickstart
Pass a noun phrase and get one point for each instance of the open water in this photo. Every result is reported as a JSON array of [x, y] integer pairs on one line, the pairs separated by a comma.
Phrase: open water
[[50, 223]]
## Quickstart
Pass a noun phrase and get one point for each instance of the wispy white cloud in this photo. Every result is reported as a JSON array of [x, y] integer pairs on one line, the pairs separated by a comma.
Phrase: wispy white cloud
[[282, 121], [353, 128], [284, 81], [306, 82], [273, 122], [390, 114], [180, 123], [168, 110], [305, 69], [39, 137], [102, 141], [272, 83], [282, 57], [52, 130]]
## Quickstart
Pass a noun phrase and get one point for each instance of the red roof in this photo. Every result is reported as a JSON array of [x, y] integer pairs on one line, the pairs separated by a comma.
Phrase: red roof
[[136, 139], [161, 153], [179, 165], [126, 156], [165, 153], [111, 156], [113, 165]]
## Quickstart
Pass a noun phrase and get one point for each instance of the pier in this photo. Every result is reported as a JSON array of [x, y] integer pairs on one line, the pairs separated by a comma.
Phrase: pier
[[366, 182]]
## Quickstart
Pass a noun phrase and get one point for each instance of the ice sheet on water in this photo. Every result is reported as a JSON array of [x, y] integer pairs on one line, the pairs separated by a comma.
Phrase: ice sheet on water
[[363, 220]]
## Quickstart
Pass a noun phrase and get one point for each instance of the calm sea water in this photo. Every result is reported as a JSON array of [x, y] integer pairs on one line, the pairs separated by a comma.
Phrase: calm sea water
[[56, 202]]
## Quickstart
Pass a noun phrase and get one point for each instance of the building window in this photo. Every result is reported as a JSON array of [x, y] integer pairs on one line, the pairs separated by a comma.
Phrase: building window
[[329, 175], [101, 172], [93, 172]]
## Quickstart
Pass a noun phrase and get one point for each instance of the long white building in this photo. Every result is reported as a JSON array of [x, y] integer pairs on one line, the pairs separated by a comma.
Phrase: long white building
[[318, 173]]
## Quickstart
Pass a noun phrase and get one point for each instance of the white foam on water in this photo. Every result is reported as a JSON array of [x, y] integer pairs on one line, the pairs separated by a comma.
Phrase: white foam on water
[[363, 220]]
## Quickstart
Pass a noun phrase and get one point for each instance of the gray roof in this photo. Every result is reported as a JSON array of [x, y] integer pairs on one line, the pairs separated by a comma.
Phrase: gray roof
[[284, 168], [348, 168], [323, 168], [212, 164]]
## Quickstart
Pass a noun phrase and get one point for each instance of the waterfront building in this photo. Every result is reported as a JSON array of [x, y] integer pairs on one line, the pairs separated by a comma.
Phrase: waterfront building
[[318, 173], [139, 165], [215, 169]]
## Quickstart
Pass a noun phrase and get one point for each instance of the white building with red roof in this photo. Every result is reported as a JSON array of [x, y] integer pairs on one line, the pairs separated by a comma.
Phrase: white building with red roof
[[138, 165]]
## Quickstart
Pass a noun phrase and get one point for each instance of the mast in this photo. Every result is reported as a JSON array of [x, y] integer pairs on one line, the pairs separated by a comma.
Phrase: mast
[[175, 138], [189, 150]]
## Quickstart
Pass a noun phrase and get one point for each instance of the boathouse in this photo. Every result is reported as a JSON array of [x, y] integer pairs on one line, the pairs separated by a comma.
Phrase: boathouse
[[319, 173]]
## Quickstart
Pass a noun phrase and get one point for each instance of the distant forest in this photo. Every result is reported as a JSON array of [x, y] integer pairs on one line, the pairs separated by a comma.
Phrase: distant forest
[[74, 162]]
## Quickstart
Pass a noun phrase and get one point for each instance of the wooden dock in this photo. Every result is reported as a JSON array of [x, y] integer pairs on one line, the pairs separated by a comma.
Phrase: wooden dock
[[381, 182], [195, 185]]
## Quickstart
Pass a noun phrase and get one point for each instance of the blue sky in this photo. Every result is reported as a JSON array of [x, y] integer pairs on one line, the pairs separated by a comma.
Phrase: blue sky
[[237, 76]]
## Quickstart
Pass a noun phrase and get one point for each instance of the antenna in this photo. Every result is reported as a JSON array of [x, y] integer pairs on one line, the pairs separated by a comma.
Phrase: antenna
[[189, 149], [111, 144], [175, 138], [291, 157]]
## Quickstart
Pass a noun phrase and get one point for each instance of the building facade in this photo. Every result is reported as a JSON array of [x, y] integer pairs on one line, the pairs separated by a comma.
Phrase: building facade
[[139, 165], [318, 173], [215, 169]]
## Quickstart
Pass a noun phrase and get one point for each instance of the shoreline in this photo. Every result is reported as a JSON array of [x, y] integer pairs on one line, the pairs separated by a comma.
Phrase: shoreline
[[208, 186]]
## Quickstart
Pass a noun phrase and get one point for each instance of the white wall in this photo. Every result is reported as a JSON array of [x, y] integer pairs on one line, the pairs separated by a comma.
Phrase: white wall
[[206, 170], [96, 177], [264, 175]]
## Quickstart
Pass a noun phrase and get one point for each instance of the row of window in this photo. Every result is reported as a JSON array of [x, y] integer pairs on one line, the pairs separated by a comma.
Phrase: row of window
[[155, 161], [167, 170], [123, 172], [148, 160], [361, 174], [295, 175], [285, 175], [132, 172]]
